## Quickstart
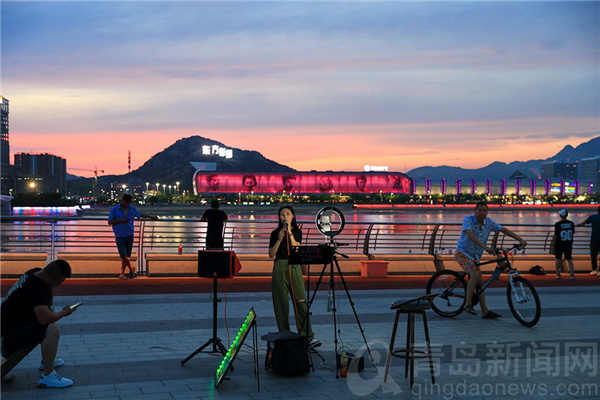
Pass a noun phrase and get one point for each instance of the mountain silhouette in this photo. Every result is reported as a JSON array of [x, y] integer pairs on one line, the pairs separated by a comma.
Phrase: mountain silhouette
[[173, 165], [498, 170]]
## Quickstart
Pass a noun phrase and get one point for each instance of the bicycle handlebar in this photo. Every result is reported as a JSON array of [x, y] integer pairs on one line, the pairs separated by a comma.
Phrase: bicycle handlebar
[[514, 247]]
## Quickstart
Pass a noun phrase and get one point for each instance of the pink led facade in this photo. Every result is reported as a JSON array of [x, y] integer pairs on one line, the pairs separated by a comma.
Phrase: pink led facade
[[206, 182]]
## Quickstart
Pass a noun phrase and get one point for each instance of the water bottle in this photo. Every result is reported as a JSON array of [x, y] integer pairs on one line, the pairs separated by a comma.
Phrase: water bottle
[[497, 272], [180, 249], [344, 365], [329, 300]]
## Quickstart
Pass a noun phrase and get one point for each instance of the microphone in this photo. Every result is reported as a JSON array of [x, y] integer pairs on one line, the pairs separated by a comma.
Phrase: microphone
[[285, 226]]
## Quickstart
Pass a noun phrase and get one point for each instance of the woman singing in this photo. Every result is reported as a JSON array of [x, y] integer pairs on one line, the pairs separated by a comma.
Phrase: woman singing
[[287, 278]]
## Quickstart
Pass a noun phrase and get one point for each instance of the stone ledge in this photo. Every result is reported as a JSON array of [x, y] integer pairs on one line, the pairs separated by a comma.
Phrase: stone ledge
[[95, 264], [15, 264]]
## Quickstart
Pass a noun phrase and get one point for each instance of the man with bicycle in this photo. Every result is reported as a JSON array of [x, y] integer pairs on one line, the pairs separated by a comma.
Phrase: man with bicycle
[[475, 231]]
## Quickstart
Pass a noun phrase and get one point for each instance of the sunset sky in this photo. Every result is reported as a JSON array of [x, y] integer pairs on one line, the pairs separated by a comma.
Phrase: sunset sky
[[326, 86]]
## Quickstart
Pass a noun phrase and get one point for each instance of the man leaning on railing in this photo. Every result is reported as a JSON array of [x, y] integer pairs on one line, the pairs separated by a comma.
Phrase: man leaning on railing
[[121, 219]]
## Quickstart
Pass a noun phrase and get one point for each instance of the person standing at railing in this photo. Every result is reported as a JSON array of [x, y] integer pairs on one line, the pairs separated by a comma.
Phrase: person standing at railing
[[474, 234], [287, 278], [594, 240], [121, 219], [214, 231], [563, 243]]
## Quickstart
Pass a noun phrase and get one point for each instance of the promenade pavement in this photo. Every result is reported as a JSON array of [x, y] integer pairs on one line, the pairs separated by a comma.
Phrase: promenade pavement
[[129, 347]]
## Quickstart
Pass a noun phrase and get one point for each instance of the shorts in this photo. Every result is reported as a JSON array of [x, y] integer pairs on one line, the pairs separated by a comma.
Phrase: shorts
[[466, 263], [23, 336], [566, 250], [124, 245]]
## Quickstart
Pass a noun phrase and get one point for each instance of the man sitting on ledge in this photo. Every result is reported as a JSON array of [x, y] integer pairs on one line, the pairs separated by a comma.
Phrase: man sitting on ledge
[[28, 318]]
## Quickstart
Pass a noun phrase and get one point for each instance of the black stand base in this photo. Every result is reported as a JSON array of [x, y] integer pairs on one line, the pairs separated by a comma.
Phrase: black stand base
[[215, 340], [217, 344]]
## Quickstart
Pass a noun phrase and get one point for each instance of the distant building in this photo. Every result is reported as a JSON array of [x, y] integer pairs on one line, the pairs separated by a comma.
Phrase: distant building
[[562, 170], [590, 172], [40, 172], [4, 132], [7, 179], [518, 175], [301, 183]]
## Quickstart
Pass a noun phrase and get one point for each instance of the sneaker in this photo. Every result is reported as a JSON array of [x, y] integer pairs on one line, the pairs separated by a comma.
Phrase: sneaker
[[491, 315], [558, 277], [54, 380], [470, 310], [314, 343], [123, 277], [58, 362], [572, 277], [593, 272]]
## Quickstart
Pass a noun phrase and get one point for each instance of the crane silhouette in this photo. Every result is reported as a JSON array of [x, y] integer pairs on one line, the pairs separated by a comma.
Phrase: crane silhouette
[[95, 171]]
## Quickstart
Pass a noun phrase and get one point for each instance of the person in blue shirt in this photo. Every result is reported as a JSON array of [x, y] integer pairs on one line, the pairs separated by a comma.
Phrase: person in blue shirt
[[121, 219], [475, 231]]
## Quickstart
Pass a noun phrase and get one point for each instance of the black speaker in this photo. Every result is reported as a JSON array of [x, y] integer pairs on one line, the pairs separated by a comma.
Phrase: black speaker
[[217, 264]]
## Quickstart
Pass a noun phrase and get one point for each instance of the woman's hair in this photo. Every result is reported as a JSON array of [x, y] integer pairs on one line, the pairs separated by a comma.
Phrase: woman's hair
[[294, 223]]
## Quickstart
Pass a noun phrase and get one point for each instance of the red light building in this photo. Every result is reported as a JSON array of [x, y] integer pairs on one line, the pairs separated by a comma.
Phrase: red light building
[[299, 183]]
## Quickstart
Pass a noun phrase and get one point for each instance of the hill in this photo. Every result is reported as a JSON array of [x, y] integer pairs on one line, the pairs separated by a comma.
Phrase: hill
[[500, 170], [173, 164]]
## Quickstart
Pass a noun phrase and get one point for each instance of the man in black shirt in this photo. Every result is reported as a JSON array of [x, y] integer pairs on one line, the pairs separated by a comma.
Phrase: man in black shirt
[[563, 242], [214, 231], [27, 317]]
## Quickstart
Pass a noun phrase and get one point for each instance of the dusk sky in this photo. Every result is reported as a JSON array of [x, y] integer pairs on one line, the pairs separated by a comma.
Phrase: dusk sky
[[325, 86]]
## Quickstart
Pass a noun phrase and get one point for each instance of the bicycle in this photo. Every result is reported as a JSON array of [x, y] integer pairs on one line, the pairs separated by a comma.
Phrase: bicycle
[[451, 289]]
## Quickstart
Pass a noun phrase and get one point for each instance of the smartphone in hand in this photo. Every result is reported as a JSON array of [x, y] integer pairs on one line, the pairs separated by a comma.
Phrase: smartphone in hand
[[74, 306]]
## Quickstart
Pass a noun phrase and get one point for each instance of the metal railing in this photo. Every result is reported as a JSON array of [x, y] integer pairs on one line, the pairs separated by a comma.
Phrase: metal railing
[[54, 235]]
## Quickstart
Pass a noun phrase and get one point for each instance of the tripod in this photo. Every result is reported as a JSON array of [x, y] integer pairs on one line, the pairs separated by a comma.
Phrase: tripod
[[333, 247], [214, 340]]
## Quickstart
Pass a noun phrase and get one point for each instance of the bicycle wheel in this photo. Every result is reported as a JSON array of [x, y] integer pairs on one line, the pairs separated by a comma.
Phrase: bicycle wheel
[[524, 301], [451, 290]]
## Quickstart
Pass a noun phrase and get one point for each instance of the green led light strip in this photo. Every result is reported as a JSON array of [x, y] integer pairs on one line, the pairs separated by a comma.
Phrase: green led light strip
[[237, 342]]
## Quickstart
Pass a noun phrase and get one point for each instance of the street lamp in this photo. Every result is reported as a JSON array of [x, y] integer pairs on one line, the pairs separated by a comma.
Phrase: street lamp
[[164, 188], [147, 184], [170, 191], [157, 186], [177, 183]]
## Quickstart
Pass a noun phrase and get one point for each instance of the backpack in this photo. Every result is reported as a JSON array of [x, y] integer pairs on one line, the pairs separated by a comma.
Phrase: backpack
[[287, 353]]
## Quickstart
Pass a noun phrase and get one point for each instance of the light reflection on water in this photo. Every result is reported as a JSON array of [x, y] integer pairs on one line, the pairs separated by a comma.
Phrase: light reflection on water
[[308, 212], [96, 235]]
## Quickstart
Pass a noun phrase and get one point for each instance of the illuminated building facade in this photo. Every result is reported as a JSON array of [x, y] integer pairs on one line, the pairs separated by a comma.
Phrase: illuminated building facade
[[4, 132], [590, 174], [48, 172], [564, 170], [7, 179], [300, 183]]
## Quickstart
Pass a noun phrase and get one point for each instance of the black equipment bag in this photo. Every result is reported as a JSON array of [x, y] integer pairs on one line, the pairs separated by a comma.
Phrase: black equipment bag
[[287, 353]]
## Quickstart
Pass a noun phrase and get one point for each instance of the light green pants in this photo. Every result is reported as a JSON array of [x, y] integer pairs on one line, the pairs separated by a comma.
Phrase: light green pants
[[288, 279]]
